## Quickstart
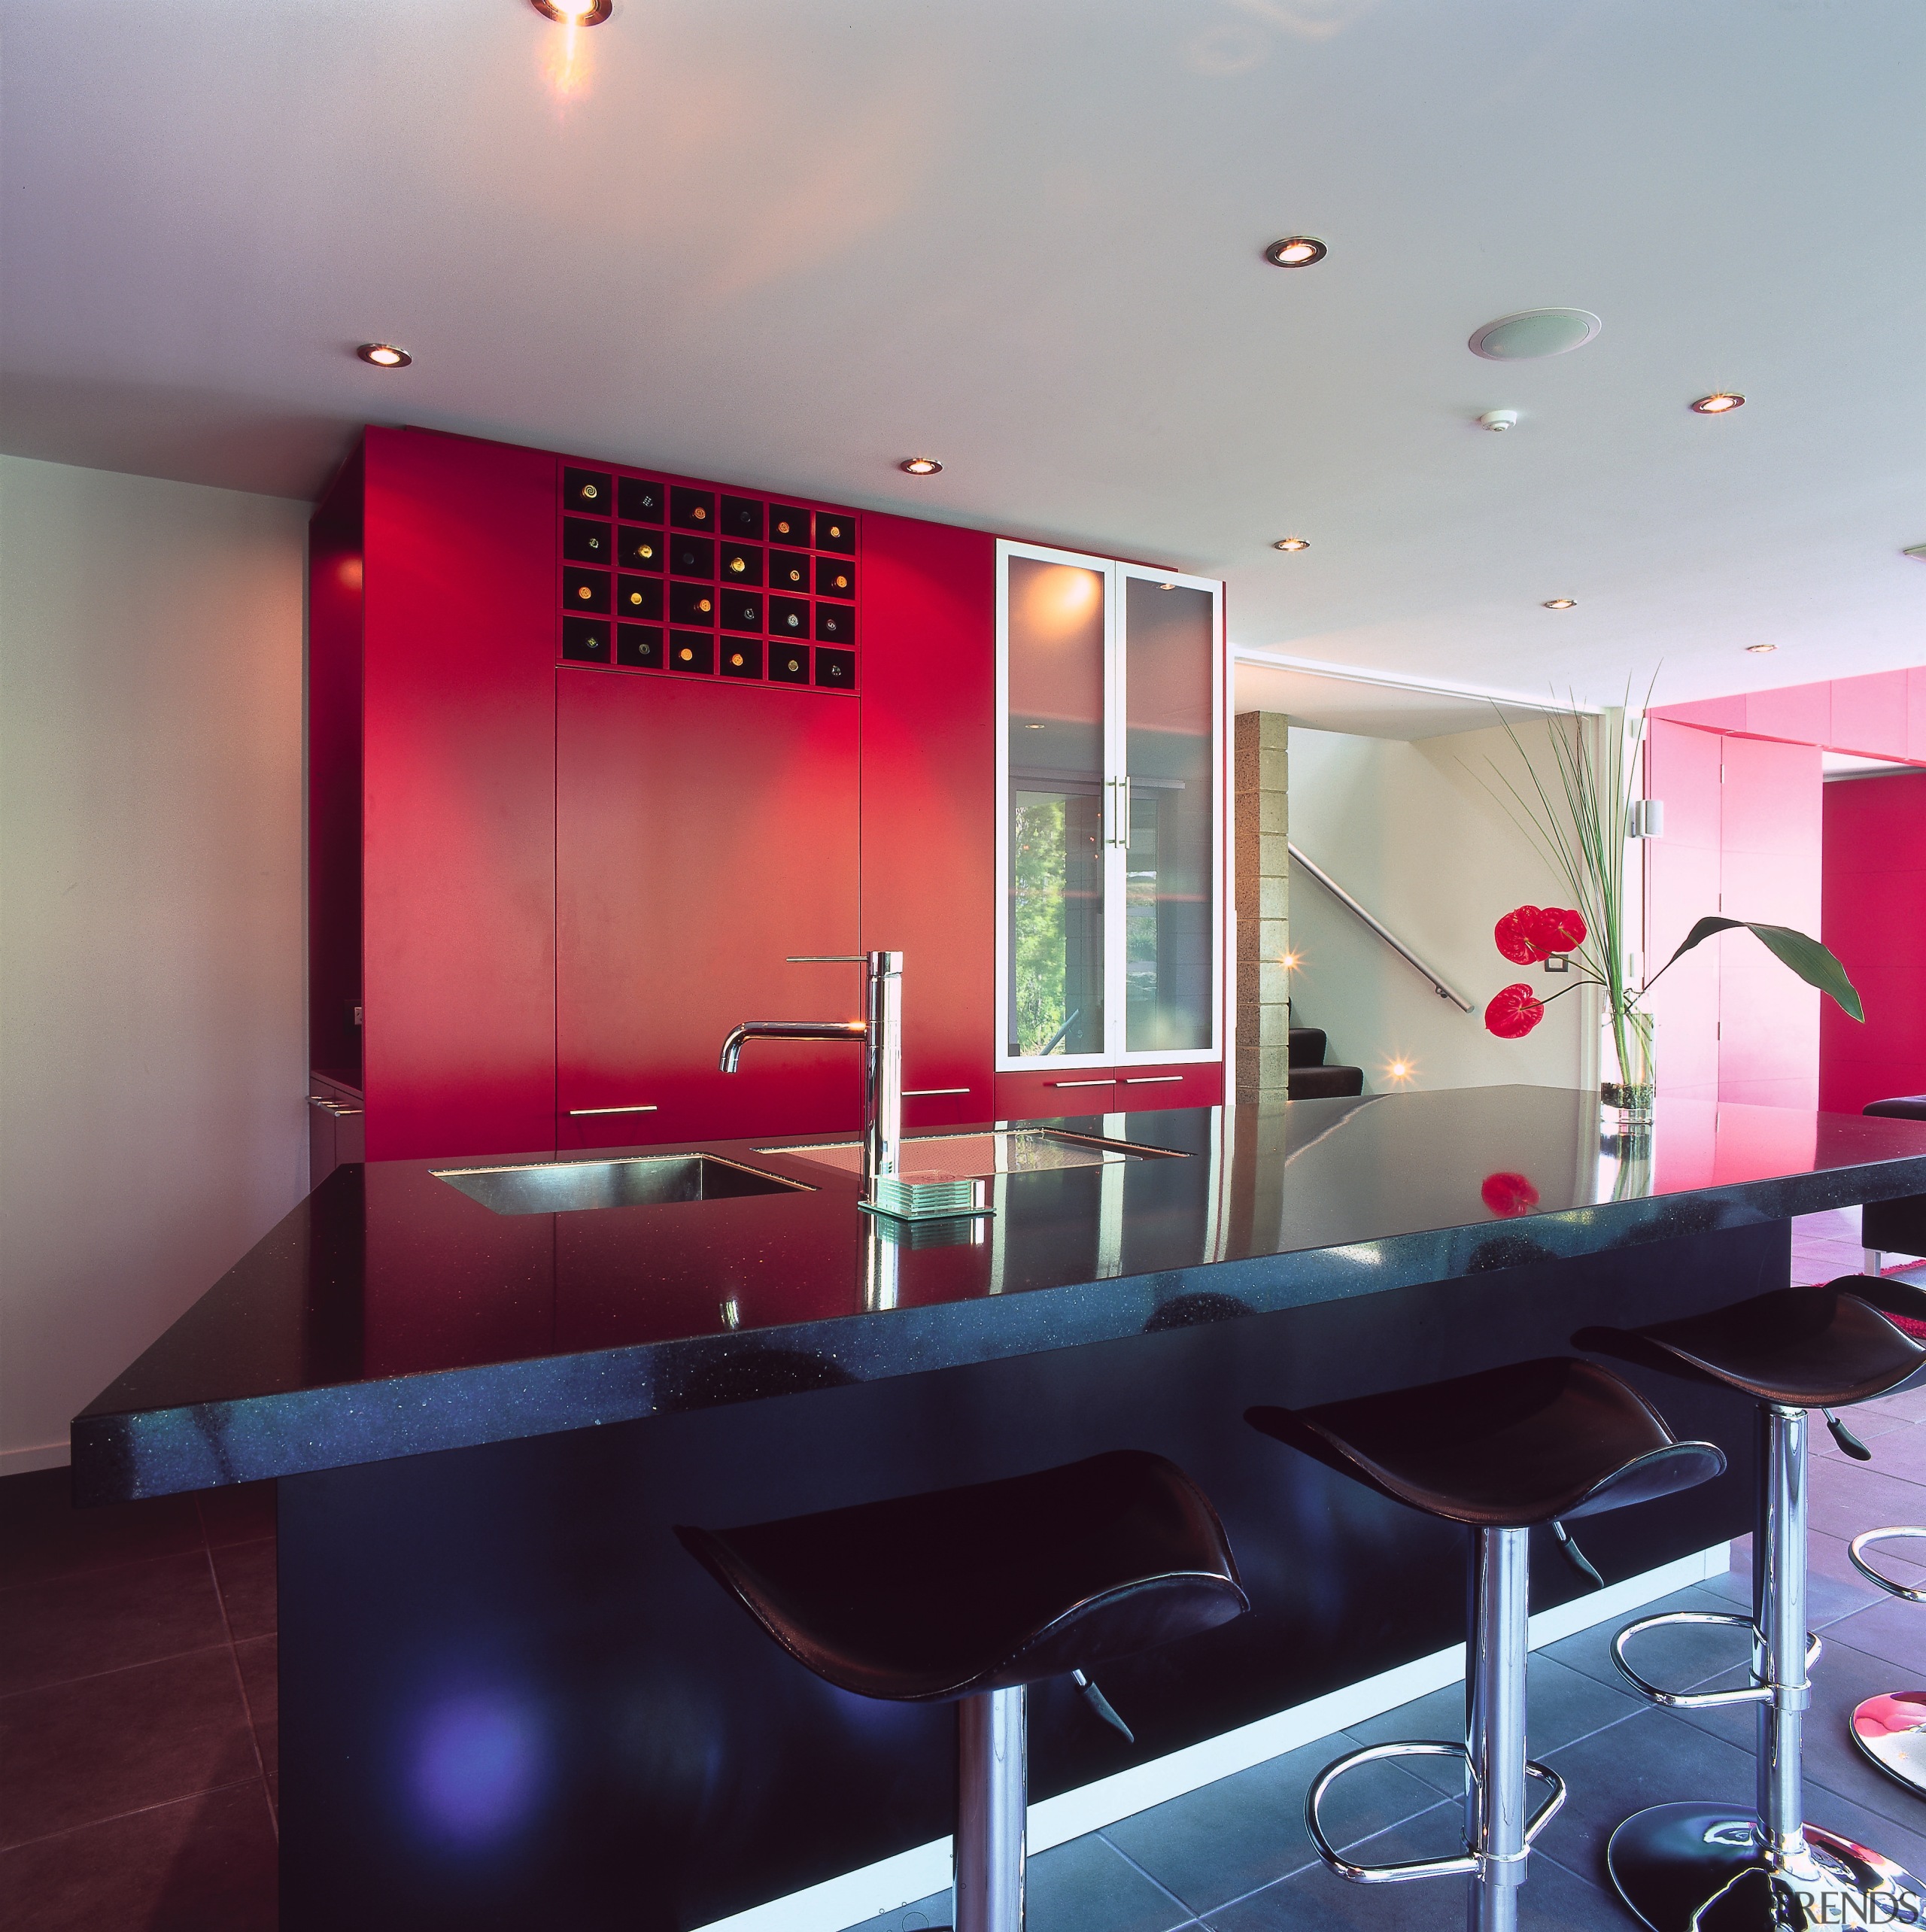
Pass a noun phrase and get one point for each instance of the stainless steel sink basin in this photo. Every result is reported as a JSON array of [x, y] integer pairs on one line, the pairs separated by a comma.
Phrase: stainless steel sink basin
[[1007, 1151], [560, 1187]]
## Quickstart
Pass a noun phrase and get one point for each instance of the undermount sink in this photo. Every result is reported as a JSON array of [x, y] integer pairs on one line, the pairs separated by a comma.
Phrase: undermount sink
[[560, 1187], [1008, 1150]]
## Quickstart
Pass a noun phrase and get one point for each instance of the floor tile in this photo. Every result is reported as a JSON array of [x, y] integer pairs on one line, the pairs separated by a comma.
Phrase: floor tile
[[915, 1917], [1864, 1422], [1241, 1833], [261, 1685], [1828, 1597], [241, 1513], [249, 1590], [204, 1865], [1894, 1631], [1841, 1678], [1910, 1401], [1844, 1499], [1089, 1886], [77, 1626], [1898, 1447], [1655, 1758], [1826, 1556], [1685, 1655], [76, 1753], [1561, 1703], [44, 1535], [1552, 1900]]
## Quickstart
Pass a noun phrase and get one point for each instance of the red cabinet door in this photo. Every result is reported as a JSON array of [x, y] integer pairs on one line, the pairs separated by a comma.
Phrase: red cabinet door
[[703, 834]]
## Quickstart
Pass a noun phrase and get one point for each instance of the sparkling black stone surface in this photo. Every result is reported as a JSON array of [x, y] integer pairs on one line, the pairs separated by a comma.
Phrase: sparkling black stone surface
[[390, 1315]]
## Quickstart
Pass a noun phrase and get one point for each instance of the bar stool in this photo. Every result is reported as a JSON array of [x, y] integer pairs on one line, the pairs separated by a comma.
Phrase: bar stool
[[972, 1595], [1502, 1451], [1890, 1727], [1894, 1227], [1683, 1865]]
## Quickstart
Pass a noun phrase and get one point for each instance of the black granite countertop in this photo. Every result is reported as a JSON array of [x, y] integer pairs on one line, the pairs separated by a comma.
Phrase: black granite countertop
[[389, 1314]]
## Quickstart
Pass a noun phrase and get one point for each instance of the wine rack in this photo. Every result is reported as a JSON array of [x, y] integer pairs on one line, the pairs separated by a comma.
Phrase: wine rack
[[692, 580]]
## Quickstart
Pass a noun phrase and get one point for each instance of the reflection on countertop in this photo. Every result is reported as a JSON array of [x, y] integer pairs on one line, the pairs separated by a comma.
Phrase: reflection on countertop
[[389, 1313]]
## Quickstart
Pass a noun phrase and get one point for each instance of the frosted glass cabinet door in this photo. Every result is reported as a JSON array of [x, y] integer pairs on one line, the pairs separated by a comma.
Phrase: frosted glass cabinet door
[[1054, 1002], [1170, 912]]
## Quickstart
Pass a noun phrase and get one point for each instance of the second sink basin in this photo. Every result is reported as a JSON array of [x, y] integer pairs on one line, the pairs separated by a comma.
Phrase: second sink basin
[[560, 1187], [1005, 1150]]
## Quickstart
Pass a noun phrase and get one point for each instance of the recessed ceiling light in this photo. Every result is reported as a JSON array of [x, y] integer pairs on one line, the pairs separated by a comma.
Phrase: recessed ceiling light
[[1718, 402], [384, 355], [1296, 251], [1760, 650], [1033, 727], [920, 466], [1535, 332], [1561, 603], [1292, 543], [584, 13], [1918, 550]]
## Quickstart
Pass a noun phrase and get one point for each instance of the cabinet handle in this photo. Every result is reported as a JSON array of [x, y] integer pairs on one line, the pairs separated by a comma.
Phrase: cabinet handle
[[1111, 1082], [924, 1093], [1151, 1080], [580, 1112]]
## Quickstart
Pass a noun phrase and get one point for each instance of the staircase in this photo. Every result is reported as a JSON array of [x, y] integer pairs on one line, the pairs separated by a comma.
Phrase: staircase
[[1311, 1079]]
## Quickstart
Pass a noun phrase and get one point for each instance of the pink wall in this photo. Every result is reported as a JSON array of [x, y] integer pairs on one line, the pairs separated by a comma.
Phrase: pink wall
[[1875, 920], [1742, 837], [1752, 831]]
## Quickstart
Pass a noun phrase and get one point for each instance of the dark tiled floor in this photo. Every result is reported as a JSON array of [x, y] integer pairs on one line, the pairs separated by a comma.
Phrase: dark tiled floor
[[136, 1709], [137, 1736]]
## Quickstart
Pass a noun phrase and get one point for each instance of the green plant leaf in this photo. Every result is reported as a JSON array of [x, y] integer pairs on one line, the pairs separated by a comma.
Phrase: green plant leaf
[[1806, 957]]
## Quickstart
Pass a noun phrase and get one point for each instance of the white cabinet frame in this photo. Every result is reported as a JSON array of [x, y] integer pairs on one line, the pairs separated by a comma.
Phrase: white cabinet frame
[[1116, 577]]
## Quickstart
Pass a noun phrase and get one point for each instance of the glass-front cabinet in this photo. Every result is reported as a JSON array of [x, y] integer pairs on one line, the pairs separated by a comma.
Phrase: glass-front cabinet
[[1110, 681]]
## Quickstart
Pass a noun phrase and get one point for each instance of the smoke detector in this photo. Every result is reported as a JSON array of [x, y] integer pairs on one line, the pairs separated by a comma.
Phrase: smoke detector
[[1498, 419]]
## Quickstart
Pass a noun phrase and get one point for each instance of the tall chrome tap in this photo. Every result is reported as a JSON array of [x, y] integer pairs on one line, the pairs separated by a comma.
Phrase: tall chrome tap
[[881, 1032]]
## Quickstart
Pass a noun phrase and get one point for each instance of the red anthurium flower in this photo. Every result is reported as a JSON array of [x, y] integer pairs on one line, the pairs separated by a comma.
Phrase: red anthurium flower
[[1512, 1011], [1559, 930], [1516, 935], [1508, 1194]]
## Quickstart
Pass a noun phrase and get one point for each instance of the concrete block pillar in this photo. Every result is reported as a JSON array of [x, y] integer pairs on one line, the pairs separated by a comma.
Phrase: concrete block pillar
[[1260, 770]]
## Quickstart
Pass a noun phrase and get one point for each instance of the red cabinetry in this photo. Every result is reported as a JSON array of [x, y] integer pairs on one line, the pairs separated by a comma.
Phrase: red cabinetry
[[703, 834]]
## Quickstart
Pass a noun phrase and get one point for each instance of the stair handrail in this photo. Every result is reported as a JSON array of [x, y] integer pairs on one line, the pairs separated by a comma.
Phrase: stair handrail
[[1442, 988]]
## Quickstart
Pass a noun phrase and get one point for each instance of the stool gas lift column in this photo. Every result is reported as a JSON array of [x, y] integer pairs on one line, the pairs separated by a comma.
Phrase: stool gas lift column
[[1708, 1867]]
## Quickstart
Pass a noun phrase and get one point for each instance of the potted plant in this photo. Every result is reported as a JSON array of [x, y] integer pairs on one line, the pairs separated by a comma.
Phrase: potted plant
[[1579, 818]]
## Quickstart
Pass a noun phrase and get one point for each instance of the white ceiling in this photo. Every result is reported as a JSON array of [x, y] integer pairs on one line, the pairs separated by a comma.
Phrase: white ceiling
[[1323, 701], [792, 241]]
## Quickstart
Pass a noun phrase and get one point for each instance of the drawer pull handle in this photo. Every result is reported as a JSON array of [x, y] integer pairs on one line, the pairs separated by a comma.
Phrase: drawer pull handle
[[1111, 1082], [924, 1093], [580, 1112], [1151, 1080]]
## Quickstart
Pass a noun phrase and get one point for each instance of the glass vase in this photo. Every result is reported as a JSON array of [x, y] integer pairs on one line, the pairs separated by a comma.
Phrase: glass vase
[[1627, 1099]]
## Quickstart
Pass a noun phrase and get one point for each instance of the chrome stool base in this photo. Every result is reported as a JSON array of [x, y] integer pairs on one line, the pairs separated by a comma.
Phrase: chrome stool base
[[1890, 1729], [1701, 1868]]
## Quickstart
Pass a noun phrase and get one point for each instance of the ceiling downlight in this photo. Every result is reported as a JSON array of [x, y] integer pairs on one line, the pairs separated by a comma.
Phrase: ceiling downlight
[[1720, 402], [590, 14], [1296, 251], [920, 466], [1561, 603], [384, 355], [1292, 543]]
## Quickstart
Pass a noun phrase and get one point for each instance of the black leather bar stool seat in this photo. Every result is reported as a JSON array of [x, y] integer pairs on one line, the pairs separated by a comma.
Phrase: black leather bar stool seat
[[1695, 1864], [974, 1594], [1537, 1442], [1500, 1452]]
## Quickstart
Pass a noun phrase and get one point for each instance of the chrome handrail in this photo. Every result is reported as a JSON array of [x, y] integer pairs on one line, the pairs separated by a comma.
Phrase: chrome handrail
[[1442, 987]]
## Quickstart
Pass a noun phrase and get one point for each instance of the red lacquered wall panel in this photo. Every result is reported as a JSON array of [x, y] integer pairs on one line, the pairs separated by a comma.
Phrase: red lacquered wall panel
[[929, 801], [1769, 870], [1801, 712], [335, 779], [1875, 920], [1681, 886], [704, 833], [458, 796], [1037, 1095]]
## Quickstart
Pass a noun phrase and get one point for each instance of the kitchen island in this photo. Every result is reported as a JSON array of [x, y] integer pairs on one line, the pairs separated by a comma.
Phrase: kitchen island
[[508, 1697]]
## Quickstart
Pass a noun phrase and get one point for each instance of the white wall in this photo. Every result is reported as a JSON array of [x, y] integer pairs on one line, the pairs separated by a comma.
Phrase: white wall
[[153, 1056], [1409, 830]]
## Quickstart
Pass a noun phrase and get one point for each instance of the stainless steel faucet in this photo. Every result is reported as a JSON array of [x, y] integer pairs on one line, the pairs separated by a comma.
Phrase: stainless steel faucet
[[881, 1032]]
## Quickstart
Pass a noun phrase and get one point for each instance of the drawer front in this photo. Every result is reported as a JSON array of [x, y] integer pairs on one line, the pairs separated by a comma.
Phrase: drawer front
[[1040, 1096]]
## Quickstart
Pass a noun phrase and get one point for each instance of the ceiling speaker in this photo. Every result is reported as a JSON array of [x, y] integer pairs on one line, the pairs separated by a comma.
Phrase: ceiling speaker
[[1535, 332]]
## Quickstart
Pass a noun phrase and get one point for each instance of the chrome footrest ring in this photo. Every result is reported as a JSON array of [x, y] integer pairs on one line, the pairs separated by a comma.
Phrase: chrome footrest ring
[[1465, 1864], [1855, 1549], [1699, 1700]]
